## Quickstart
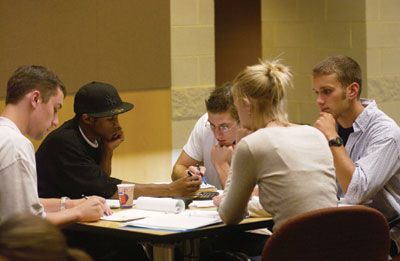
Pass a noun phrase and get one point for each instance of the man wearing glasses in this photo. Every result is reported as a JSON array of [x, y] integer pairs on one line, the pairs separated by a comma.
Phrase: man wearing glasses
[[212, 141]]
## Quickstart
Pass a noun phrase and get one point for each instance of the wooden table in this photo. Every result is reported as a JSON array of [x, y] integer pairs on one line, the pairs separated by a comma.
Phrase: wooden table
[[164, 242]]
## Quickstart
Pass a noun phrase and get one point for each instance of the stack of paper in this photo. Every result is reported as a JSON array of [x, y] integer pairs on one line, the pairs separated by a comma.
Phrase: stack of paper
[[130, 214], [189, 219]]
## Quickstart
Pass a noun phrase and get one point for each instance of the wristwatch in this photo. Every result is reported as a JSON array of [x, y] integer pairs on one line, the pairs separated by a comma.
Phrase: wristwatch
[[63, 203], [337, 141]]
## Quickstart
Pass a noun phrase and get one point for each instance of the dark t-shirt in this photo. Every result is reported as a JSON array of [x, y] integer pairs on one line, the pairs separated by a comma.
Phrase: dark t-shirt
[[68, 166], [344, 133]]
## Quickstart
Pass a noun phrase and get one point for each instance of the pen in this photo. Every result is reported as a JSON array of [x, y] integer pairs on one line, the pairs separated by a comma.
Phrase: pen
[[202, 176], [83, 196]]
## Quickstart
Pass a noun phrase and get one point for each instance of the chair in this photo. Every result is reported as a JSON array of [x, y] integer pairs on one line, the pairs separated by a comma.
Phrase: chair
[[393, 223], [340, 233]]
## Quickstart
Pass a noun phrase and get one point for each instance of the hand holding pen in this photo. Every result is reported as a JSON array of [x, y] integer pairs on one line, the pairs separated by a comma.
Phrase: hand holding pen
[[197, 170], [102, 201]]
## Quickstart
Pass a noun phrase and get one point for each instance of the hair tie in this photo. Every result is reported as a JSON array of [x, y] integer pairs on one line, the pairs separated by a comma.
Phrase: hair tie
[[268, 72]]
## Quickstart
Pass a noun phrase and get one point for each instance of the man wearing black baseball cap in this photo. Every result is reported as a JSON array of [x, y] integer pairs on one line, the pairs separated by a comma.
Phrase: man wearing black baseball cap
[[75, 159]]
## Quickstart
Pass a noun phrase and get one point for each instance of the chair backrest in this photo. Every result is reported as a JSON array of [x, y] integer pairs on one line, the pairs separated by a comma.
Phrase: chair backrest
[[341, 233]]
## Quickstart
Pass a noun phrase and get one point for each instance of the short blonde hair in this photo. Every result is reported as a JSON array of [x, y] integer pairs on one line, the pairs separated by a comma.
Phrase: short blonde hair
[[265, 86]]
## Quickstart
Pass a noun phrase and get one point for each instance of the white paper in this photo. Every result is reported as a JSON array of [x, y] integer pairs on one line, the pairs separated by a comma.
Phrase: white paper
[[168, 205], [204, 186], [189, 219], [202, 203], [130, 214], [113, 203]]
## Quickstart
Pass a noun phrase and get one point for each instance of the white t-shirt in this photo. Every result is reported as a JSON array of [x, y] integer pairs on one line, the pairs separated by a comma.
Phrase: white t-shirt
[[199, 146], [18, 179]]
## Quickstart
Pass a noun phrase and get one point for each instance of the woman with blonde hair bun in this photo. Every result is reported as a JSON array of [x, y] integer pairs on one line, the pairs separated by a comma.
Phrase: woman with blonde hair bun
[[27, 237], [292, 164]]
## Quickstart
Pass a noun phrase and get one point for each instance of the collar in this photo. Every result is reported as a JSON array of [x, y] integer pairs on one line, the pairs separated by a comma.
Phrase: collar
[[364, 118], [94, 144]]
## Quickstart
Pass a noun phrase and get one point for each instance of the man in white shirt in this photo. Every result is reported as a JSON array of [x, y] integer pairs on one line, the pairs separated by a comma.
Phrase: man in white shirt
[[212, 141], [364, 141], [34, 96]]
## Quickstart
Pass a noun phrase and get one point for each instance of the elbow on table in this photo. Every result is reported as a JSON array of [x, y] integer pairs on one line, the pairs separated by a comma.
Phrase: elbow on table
[[230, 220]]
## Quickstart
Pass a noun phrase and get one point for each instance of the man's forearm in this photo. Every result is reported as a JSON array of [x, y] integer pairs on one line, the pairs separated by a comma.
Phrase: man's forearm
[[153, 190], [105, 161], [63, 218], [50, 204], [344, 167]]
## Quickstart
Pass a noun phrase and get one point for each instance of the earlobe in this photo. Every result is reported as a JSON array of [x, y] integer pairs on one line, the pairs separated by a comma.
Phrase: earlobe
[[35, 99]]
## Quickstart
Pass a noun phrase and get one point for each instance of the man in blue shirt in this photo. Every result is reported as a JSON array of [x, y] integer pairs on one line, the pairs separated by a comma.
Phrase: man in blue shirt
[[364, 141]]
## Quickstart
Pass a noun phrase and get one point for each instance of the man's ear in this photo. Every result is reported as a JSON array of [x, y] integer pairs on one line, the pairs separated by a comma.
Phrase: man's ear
[[86, 119], [352, 90], [34, 98]]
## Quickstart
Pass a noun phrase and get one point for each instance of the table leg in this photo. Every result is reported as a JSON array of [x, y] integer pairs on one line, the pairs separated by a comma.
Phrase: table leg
[[191, 249], [163, 252]]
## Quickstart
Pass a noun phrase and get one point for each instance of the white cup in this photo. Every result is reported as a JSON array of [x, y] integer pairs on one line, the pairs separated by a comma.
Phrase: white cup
[[125, 195]]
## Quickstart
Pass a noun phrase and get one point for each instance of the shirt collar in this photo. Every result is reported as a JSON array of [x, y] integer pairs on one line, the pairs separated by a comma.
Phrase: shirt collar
[[363, 119], [94, 144]]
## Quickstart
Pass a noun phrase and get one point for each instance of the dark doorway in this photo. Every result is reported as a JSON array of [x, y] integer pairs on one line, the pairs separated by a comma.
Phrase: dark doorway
[[237, 37]]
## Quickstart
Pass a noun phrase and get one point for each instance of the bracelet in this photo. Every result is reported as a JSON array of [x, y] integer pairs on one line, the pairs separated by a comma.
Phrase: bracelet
[[63, 203]]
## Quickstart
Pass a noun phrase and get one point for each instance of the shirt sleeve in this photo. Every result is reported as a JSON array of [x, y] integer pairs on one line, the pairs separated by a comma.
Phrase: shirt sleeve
[[239, 186], [18, 190], [373, 170]]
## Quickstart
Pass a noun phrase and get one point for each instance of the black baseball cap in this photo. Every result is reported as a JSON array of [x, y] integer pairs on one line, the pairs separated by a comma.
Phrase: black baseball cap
[[99, 99]]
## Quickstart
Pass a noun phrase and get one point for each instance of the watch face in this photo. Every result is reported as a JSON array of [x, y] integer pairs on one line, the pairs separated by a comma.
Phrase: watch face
[[336, 142], [339, 141]]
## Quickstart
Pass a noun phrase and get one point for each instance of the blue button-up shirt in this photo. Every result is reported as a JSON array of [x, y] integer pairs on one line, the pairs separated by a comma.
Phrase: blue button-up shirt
[[374, 147]]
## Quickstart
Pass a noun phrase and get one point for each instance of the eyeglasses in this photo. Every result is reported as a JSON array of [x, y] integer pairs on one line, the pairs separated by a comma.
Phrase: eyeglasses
[[221, 128]]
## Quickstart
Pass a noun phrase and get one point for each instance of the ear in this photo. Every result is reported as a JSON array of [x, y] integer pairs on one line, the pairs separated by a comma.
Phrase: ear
[[86, 119], [34, 98], [247, 104], [352, 90]]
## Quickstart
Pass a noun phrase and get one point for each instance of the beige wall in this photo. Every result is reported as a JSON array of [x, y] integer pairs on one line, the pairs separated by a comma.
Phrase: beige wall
[[192, 65], [122, 42], [144, 156], [383, 54], [125, 43], [303, 32]]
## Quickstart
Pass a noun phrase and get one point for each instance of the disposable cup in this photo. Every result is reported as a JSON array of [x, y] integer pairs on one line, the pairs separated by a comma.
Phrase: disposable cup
[[125, 195]]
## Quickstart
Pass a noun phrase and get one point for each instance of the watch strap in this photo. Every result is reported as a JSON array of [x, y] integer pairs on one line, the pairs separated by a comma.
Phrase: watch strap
[[63, 202]]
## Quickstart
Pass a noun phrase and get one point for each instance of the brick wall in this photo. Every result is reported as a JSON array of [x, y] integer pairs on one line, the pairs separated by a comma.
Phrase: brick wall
[[303, 32], [383, 54], [192, 65]]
